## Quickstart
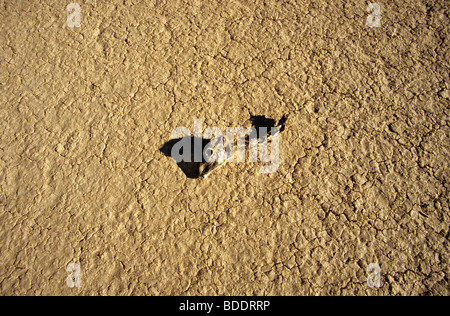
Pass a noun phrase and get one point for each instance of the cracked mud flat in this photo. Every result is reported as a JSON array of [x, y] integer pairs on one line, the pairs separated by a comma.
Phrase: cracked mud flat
[[363, 175]]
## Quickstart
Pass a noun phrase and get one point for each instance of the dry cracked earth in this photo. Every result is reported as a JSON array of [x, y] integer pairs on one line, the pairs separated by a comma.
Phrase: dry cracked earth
[[363, 174]]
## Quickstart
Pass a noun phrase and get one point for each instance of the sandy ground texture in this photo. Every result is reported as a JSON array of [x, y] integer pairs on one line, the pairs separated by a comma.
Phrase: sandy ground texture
[[363, 174]]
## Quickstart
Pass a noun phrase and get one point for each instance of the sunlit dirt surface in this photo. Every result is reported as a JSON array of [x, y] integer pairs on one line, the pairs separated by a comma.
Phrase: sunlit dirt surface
[[363, 175]]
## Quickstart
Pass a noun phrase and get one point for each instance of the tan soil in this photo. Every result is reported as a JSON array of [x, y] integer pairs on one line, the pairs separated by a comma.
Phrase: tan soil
[[364, 159]]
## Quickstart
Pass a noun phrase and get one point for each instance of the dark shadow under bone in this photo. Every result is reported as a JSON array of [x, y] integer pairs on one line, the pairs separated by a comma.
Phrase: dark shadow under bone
[[191, 169]]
